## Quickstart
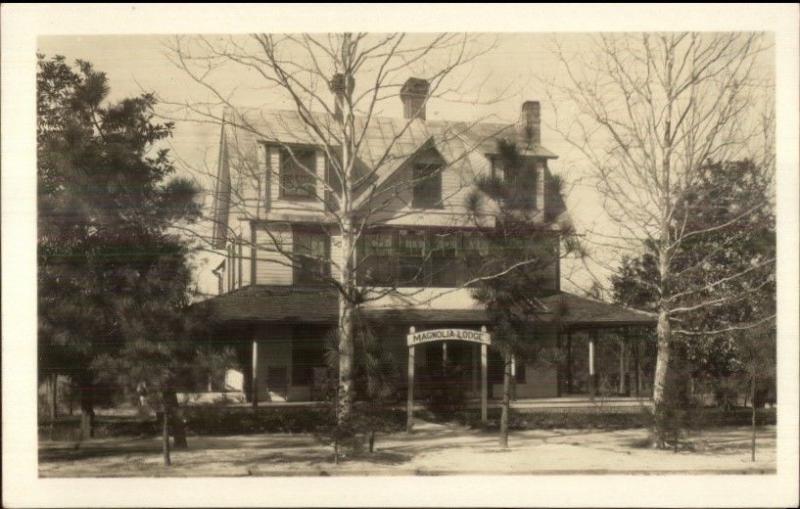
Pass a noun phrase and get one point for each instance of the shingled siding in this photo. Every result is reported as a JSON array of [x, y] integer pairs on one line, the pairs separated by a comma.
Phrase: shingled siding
[[272, 267]]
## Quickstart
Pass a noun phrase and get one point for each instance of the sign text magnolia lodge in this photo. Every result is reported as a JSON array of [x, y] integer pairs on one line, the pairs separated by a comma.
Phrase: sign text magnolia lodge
[[429, 336], [415, 338]]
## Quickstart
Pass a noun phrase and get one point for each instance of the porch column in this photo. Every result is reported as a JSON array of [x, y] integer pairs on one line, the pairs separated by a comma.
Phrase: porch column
[[559, 366], [475, 356], [484, 383], [254, 377], [622, 367], [410, 384], [513, 377], [637, 368], [444, 356], [592, 377]]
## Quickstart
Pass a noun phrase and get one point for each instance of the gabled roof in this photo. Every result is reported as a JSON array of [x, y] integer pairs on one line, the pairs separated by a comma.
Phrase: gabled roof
[[388, 142], [286, 304], [387, 145]]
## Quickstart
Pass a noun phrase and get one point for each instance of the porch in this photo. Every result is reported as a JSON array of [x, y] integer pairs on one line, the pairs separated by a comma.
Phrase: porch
[[591, 352]]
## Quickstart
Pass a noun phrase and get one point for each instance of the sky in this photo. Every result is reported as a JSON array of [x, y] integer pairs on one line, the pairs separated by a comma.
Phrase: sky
[[495, 85]]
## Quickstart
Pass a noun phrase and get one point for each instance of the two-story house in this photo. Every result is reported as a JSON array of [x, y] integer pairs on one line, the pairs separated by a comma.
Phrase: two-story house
[[273, 204]]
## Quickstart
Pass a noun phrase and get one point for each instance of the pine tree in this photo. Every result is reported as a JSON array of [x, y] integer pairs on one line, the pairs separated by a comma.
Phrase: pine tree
[[520, 252], [112, 277]]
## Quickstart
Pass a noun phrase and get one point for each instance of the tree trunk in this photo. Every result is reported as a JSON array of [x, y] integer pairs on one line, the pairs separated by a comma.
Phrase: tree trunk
[[345, 403], [178, 429], [87, 409], [660, 379], [753, 417], [165, 436], [346, 328], [506, 400]]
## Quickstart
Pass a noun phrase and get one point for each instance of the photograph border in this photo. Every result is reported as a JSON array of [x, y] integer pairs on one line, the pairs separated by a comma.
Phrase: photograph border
[[22, 24]]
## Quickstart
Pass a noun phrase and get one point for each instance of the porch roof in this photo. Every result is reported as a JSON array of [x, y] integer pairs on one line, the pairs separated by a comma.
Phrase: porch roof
[[282, 304]]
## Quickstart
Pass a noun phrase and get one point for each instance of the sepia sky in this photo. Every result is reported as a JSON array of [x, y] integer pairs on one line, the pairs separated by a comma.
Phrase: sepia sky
[[519, 67]]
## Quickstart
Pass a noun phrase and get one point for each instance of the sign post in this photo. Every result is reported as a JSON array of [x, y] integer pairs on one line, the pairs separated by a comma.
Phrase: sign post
[[254, 377], [471, 336], [484, 382], [592, 377], [410, 416]]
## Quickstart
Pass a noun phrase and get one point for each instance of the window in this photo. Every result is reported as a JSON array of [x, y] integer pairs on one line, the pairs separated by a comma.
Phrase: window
[[297, 173], [445, 266], [411, 258], [406, 258], [475, 251], [312, 257], [427, 192], [376, 267], [522, 183]]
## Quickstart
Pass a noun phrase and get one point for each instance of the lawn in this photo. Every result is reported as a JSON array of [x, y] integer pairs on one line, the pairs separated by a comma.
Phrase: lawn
[[433, 449]]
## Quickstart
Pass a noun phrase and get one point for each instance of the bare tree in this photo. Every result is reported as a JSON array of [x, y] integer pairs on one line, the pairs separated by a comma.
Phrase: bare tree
[[649, 113], [360, 188]]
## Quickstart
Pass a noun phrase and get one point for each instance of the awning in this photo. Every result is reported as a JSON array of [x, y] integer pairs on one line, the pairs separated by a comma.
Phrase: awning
[[281, 304]]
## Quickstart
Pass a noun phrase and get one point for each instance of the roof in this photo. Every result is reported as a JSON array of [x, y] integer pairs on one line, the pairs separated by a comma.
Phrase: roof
[[388, 141], [284, 304], [575, 311]]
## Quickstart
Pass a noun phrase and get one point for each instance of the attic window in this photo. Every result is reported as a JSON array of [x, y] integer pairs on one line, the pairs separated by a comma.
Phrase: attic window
[[427, 192], [298, 168]]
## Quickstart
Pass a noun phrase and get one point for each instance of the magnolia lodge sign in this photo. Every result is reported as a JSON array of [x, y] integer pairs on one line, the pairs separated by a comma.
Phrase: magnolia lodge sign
[[414, 338], [428, 336]]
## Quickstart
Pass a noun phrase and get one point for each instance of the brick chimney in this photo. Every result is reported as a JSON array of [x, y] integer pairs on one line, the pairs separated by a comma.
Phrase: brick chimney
[[414, 95], [529, 127], [340, 92]]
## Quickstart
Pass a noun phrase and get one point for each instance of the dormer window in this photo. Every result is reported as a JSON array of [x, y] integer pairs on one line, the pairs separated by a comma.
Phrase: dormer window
[[427, 190], [298, 169], [522, 183]]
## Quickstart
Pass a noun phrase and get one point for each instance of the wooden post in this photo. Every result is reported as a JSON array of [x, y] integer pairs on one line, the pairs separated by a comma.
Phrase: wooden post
[[592, 380], [410, 384], [475, 356], [444, 356], [622, 367], [637, 368], [484, 383], [569, 363], [254, 377], [165, 435], [513, 377], [559, 366]]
